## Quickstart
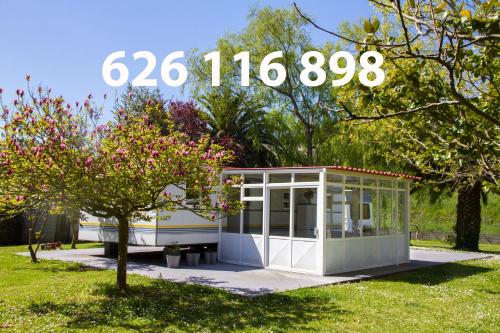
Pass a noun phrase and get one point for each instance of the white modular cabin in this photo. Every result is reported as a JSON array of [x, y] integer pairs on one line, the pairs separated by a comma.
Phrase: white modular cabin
[[316, 220]]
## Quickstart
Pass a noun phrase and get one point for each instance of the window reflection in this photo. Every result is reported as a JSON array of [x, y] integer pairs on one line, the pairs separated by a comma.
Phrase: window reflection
[[305, 205], [252, 217], [279, 212], [352, 207], [334, 212]]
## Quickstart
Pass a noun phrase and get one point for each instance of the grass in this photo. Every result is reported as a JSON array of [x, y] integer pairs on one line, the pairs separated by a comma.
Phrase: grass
[[58, 296], [437, 244]]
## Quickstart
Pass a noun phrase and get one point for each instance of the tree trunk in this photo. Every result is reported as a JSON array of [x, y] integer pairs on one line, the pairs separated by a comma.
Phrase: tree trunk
[[38, 235], [121, 273], [32, 253], [468, 225], [74, 222], [309, 146]]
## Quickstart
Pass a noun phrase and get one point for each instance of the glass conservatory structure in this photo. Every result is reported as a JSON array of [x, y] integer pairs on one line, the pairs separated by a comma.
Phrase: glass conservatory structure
[[318, 220]]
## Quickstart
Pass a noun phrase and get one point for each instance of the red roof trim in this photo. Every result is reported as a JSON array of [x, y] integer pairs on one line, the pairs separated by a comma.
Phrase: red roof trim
[[336, 167]]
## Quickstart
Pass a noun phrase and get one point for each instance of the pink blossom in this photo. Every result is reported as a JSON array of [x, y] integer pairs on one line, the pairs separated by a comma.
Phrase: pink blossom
[[88, 162], [1, 90], [63, 146], [224, 206], [20, 92], [5, 112], [28, 77], [155, 153]]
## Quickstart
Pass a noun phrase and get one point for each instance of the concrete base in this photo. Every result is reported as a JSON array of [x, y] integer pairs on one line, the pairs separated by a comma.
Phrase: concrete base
[[243, 280]]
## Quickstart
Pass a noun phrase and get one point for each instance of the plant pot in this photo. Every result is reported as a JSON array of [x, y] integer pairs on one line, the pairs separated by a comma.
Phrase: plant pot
[[210, 257], [193, 258], [173, 261]]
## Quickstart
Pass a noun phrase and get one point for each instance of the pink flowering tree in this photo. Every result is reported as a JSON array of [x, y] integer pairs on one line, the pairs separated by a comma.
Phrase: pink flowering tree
[[115, 170], [35, 132]]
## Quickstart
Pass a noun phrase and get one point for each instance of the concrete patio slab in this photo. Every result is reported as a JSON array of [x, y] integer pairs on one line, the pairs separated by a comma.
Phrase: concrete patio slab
[[243, 280]]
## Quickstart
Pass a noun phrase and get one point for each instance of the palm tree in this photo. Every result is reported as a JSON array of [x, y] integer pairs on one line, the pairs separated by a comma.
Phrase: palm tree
[[239, 123]]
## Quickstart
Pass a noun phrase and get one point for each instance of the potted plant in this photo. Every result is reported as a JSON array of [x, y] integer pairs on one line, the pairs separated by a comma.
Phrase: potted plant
[[210, 254], [172, 254], [193, 257]]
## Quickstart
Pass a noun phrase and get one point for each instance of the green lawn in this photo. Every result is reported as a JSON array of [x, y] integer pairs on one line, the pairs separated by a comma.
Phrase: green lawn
[[57, 296], [437, 244]]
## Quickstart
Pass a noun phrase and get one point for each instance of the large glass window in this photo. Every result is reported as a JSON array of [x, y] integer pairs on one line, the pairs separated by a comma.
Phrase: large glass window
[[252, 217], [385, 212], [385, 183], [279, 212], [253, 192], [352, 180], [232, 223], [402, 204], [334, 212], [280, 177], [369, 217], [369, 182], [334, 178], [253, 178], [306, 177], [305, 212], [353, 214]]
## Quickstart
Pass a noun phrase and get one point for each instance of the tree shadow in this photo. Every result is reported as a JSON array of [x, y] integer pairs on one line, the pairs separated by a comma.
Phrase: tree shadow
[[437, 274], [163, 305]]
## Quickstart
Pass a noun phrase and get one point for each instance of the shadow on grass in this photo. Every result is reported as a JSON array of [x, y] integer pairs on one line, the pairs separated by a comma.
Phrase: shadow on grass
[[163, 305], [438, 274]]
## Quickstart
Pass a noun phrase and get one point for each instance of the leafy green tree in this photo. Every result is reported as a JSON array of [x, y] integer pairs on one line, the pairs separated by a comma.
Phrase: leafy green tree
[[440, 94], [270, 30]]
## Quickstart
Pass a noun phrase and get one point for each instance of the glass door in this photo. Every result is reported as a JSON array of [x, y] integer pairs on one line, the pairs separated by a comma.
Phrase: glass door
[[293, 231]]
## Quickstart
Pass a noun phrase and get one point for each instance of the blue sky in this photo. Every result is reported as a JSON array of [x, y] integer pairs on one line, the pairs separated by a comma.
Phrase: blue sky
[[63, 44]]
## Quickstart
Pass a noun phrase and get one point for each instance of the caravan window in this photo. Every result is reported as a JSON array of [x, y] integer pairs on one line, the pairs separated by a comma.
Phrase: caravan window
[[370, 206]]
